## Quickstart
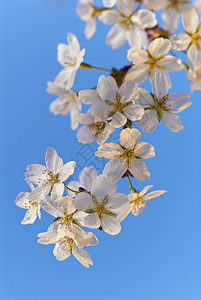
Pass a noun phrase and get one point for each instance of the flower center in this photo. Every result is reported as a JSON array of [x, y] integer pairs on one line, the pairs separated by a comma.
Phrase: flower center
[[98, 127], [70, 62]]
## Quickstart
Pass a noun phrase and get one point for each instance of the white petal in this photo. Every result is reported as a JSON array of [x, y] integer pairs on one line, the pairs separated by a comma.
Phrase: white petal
[[74, 185], [107, 88], [149, 121], [137, 56], [172, 121], [22, 199], [73, 116], [82, 256], [139, 169], [39, 193], [83, 201], [154, 195], [117, 203], [109, 3], [147, 18], [89, 96], [66, 170], [101, 110], [128, 91], [35, 172], [178, 101], [110, 225], [126, 7], [144, 150], [180, 41], [137, 37], [85, 135], [123, 215], [73, 42], [171, 63], [118, 120], [159, 47], [30, 215], [87, 176], [63, 76], [145, 189], [53, 162], [134, 112], [138, 73], [115, 169], [170, 19], [190, 20], [92, 221], [144, 98], [159, 85], [110, 17], [57, 191], [61, 252], [116, 36], [103, 186], [129, 137], [109, 150], [90, 28]]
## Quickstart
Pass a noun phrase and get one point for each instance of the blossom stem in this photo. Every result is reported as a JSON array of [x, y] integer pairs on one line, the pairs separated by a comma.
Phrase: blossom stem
[[87, 66], [130, 184], [69, 189]]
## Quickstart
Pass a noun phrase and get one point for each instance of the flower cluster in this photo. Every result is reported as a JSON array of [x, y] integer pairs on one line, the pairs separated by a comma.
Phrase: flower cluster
[[117, 102]]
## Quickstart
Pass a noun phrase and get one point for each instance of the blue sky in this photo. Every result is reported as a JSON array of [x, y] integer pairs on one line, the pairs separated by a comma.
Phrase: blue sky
[[156, 256]]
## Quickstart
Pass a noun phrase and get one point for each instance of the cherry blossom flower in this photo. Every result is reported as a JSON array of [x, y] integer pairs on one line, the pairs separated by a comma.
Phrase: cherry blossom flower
[[159, 105], [50, 178], [127, 155], [102, 204], [147, 63], [117, 105], [94, 128], [70, 57], [86, 177], [172, 10], [192, 35], [194, 72], [128, 24], [66, 217], [68, 101], [69, 242], [87, 12], [138, 201], [33, 207]]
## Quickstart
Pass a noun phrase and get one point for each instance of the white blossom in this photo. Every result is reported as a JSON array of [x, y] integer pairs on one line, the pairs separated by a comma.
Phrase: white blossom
[[33, 207], [127, 155], [192, 35], [49, 179], [87, 12], [138, 201], [194, 72], [159, 105], [69, 242], [70, 57], [109, 3], [86, 177], [172, 10], [68, 101], [94, 128], [117, 105], [102, 204], [128, 24], [147, 63]]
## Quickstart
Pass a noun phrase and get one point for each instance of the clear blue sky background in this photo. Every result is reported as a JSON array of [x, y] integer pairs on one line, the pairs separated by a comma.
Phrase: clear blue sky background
[[157, 254]]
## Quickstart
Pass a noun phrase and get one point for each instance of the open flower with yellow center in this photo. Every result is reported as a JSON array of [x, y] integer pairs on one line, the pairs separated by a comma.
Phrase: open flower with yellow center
[[70, 57], [68, 101], [127, 155], [33, 207], [117, 105], [93, 128], [49, 179], [192, 35], [159, 105], [138, 201], [147, 63], [172, 10], [68, 242], [102, 204], [128, 24], [66, 217]]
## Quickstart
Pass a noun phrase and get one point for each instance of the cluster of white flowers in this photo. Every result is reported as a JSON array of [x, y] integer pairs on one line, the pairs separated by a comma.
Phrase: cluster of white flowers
[[116, 102]]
